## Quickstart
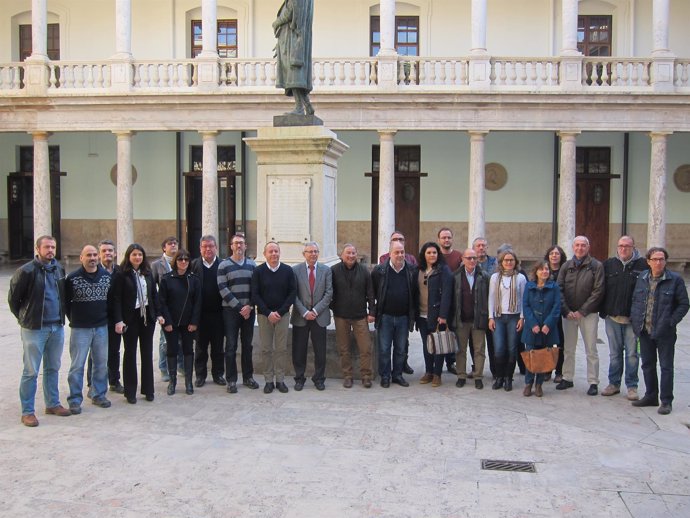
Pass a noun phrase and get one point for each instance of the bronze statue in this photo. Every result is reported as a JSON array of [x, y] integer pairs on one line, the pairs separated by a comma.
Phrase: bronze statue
[[293, 30]]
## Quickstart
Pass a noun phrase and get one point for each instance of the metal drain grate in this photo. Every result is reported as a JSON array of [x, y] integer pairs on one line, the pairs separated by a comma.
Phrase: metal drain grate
[[509, 465]]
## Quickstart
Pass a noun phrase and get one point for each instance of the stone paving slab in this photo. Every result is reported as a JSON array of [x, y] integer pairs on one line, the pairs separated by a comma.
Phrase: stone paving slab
[[398, 452]]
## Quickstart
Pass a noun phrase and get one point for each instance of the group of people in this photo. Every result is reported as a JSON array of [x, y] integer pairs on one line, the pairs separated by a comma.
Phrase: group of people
[[491, 305]]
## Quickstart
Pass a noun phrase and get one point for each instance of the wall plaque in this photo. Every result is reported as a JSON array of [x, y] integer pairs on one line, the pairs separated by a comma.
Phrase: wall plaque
[[495, 176], [682, 178], [290, 209]]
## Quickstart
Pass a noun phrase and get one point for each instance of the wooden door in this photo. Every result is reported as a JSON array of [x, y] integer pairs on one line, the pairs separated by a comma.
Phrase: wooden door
[[592, 213]]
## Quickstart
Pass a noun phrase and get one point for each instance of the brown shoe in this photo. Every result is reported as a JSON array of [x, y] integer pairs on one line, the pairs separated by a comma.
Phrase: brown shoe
[[58, 410], [427, 378], [29, 420], [527, 391], [538, 391], [366, 382], [436, 381], [347, 383]]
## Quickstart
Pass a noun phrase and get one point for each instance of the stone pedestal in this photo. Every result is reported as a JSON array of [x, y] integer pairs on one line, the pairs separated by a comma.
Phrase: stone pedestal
[[297, 189]]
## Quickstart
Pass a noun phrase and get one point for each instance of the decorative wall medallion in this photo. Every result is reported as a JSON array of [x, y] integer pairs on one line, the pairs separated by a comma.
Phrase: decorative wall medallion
[[496, 176], [682, 178], [113, 175]]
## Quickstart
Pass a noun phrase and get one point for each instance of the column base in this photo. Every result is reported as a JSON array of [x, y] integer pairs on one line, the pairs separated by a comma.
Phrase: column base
[[294, 119]]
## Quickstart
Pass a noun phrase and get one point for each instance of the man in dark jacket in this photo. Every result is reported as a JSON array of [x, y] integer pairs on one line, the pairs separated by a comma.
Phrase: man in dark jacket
[[621, 273], [36, 298], [581, 280], [353, 311], [397, 294], [659, 303], [471, 316]]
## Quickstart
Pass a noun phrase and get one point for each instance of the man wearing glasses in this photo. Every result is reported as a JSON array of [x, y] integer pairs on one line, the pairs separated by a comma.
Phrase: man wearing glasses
[[234, 283], [659, 303], [621, 273]]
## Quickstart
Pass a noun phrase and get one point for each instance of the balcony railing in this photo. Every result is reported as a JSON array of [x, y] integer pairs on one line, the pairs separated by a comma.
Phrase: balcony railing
[[448, 74]]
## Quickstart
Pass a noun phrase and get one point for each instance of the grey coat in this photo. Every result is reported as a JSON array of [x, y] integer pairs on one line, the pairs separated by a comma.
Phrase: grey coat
[[323, 293]]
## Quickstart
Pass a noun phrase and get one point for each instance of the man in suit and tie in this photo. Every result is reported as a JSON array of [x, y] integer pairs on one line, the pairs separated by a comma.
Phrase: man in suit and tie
[[311, 315]]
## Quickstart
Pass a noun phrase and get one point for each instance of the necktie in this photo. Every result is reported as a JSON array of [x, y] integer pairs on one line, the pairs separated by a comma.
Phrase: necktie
[[312, 280]]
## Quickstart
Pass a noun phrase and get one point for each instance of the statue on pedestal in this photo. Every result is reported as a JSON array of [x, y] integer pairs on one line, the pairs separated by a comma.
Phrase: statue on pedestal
[[293, 29]]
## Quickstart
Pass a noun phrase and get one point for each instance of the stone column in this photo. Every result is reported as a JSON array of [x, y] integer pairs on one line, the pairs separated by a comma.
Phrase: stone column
[[125, 203], [476, 222], [571, 58], [39, 30], [386, 224], [661, 73], [656, 220], [479, 63], [567, 187], [209, 195], [209, 29], [36, 72], [387, 56], [121, 71], [42, 201]]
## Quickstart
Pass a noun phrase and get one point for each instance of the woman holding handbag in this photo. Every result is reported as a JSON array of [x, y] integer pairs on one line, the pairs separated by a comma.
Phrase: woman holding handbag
[[542, 309], [435, 299], [135, 311], [556, 258]]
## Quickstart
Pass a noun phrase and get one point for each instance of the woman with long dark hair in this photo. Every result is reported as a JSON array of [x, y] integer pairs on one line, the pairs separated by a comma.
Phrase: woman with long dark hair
[[505, 316], [541, 306], [135, 311], [556, 258], [180, 299], [435, 300]]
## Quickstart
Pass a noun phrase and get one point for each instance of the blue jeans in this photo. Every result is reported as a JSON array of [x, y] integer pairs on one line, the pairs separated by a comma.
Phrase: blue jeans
[[506, 338], [665, 348], [236, 324], [81, 342], [433, 363], [530, 377], [41, 344], [392, 331], [622, 339]]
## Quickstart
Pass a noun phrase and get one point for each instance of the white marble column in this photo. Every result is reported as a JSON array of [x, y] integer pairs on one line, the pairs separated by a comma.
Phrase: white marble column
[[660, 21], [42, 210], [209, 196], [125, 198], [656, 220], [39, 30], [476, 223], [569, 28], [386, 224], [209, 29], [123, 28], [567, 190], [387, 27], [478, 27]]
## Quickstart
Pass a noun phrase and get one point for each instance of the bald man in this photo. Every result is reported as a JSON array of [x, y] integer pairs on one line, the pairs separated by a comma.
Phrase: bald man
[[86, 305]]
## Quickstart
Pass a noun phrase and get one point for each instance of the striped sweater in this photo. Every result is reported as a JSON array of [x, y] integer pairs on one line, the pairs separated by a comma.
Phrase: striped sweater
[[234, 282]]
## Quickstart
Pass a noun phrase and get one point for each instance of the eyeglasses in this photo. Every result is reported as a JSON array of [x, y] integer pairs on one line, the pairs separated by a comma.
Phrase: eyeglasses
[[657, 259], [624, 246], [398, 239], [470, 258], [183, 259], [508, 260]]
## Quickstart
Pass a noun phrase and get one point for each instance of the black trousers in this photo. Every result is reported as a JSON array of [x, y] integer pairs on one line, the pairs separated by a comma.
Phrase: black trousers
[[236, 326], [300, 340], [211, 331], [114, 340], [173, 339], [139, 334]]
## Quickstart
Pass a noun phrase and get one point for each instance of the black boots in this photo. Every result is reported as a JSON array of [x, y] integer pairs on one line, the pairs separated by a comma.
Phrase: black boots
[[172, 372], [188, 374]]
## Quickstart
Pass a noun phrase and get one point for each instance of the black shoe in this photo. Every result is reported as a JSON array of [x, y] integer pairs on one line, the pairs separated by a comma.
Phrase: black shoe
[[132, 400], [219, 380], [268, 388], [320, 385], [171, 388], [251, 383], [200, 382], [282, 387], [299, 385], [188, 388], [149, 397], [401, 381], [478, 384], [451, 368], [665, 409], [646, 401], [460, 383], [117, 387], [385, 383], [407, 369], [498, 384], [232, 387], [508, 385], [564, 384], [593, 390]]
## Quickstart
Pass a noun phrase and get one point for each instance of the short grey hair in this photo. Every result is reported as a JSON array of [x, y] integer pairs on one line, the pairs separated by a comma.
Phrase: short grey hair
[[208, 237]]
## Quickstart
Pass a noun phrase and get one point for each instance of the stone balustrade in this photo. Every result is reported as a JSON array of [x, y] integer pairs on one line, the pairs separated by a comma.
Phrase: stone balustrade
[[600, 74]]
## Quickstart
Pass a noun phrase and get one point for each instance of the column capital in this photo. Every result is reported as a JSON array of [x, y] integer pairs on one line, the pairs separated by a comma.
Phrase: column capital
[[40, 135], [387, 133], [123, 133], [206, 134], [660, 134], [478, 134], [568, 135]]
